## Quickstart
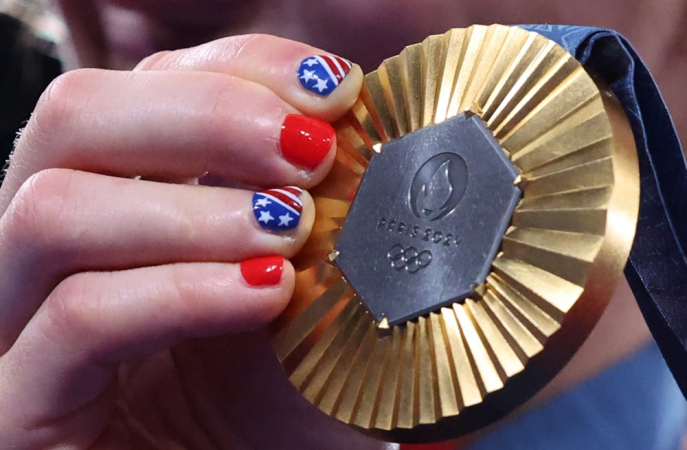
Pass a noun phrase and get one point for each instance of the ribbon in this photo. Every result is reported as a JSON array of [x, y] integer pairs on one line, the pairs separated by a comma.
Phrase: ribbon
[[657, 268]]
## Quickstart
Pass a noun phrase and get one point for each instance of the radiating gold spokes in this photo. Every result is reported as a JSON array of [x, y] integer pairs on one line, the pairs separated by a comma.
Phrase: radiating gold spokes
[[463, 366]]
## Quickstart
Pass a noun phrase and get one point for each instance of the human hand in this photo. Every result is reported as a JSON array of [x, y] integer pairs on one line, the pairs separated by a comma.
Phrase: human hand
[[120, 297]]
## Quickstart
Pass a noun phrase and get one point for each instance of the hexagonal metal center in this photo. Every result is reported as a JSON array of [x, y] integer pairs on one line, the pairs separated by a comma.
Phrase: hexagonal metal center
[[428, 219]]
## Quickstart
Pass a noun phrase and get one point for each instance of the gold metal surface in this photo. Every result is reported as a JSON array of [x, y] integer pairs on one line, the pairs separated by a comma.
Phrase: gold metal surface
[[462, 367]]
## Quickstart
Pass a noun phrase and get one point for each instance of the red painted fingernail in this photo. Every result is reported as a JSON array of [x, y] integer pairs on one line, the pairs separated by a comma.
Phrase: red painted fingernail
[[305, 141], [265, 271]]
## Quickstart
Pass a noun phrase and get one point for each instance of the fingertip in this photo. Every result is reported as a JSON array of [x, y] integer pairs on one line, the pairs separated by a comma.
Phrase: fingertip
[[273, 273], [264, 271], [333, 106], [305, 227], [314, 177], [308, 216], [288, 283], [274, 298], [305, 141], [309, 144]]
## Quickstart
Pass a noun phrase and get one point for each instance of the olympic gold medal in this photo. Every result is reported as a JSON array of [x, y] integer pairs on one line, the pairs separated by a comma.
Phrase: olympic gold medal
[[479, 213]]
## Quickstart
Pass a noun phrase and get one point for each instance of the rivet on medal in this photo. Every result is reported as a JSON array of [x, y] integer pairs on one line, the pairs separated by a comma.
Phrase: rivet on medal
[[477, 218]]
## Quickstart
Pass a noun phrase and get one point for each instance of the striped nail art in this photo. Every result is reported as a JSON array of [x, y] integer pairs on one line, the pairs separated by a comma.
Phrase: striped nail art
[[278, 210], [322, 74]]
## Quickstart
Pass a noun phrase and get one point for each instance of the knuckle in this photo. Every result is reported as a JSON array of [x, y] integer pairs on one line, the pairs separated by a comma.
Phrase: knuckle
[[71, 309], [61, 103], [41, 213], [246, 49], [230, 48], [187, 287], [222, 111], [235, 46], [184, 296]]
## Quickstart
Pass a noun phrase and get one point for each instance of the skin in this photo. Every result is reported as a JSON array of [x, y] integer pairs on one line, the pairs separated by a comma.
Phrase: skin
[[124, 321]]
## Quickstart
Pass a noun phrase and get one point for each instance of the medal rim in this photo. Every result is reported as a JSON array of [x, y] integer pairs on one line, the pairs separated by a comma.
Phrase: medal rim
[[603, 274]]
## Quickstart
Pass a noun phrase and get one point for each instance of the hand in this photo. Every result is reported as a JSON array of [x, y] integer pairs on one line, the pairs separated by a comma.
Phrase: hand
[[122, 299]]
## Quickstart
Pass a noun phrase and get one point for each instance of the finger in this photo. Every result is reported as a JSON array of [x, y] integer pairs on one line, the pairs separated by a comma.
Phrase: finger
[[170, 124], [63, 222], [315, 82], [55, 379]]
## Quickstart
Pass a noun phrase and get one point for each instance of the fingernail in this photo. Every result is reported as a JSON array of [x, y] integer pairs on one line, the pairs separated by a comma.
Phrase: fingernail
[[278, 210], [322, 74], [265, 271], [305, 141]]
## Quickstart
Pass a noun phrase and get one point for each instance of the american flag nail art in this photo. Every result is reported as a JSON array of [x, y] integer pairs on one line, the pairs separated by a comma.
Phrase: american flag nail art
[[322, 74], [278, 210]]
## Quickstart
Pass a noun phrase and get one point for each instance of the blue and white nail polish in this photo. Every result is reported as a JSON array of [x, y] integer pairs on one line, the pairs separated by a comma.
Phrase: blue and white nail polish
[[322, 74], [278, 210]]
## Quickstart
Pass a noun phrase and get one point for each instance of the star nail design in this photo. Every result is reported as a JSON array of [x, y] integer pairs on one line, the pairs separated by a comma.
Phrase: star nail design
[[263, 202], [322, 74], [265, 217], [308, 75], [285, 219], [278, 210], [321, 85]]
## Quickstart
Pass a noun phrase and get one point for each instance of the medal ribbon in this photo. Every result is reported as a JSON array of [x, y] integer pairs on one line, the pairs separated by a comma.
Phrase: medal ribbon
[[657, 268]]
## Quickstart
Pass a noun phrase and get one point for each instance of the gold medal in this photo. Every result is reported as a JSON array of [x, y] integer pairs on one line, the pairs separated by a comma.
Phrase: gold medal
[[479, 213]]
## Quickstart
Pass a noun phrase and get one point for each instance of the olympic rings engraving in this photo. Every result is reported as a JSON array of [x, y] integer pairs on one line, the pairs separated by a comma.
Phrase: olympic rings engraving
[[408, 258]]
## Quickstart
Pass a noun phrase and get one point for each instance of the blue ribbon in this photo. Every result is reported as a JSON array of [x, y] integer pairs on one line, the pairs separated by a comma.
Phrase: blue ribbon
[[657, 268]]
